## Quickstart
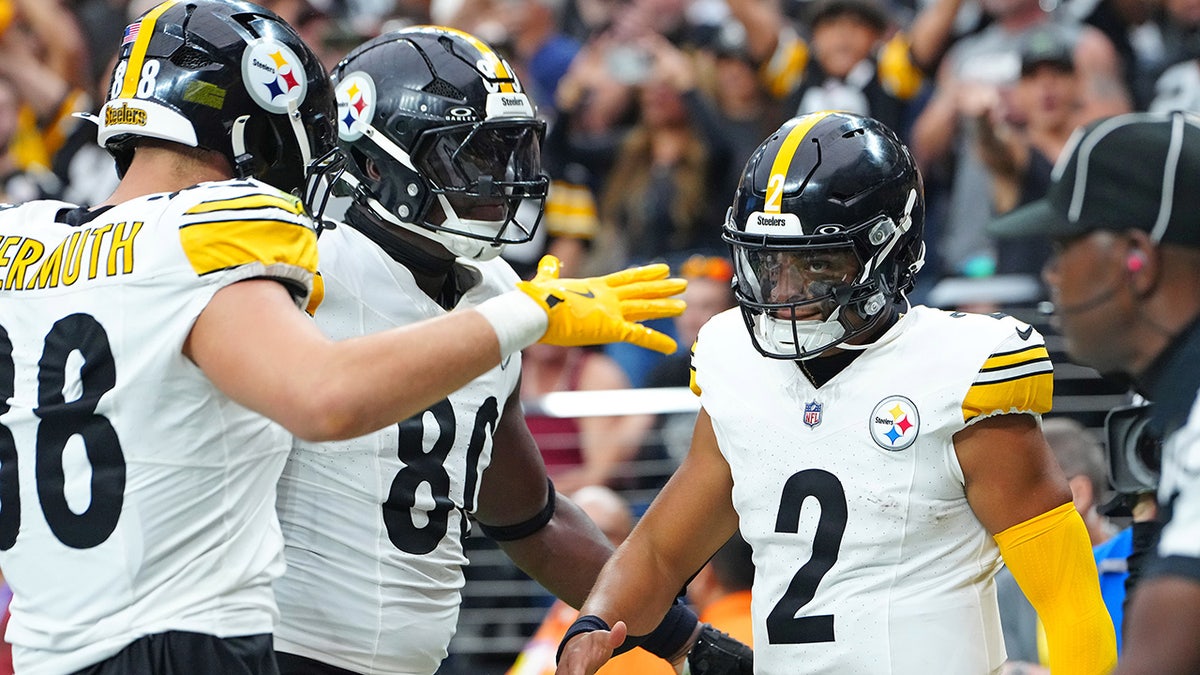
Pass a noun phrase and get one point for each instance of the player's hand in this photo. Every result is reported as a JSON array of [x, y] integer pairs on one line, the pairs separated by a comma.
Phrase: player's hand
[[606, 309], [587, 652]]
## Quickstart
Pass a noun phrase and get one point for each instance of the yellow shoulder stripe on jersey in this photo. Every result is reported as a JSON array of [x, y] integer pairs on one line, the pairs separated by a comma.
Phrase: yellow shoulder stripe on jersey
[[133, 69], [1021, 381], [897, 72], [692, 372], [256, 201], [787, 152], [224, 244], [318, 294]]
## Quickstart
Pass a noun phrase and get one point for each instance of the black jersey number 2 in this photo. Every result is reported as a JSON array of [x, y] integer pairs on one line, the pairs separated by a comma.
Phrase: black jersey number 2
[[429, 466], [783, 626], [60, 421]]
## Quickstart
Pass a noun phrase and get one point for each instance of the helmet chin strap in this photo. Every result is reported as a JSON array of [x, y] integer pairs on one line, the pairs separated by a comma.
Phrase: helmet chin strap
[[459, 246]]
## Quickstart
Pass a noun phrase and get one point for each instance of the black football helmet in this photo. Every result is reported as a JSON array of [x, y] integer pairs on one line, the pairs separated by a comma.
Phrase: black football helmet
[[226, 76], [826, 233], [440, 139]]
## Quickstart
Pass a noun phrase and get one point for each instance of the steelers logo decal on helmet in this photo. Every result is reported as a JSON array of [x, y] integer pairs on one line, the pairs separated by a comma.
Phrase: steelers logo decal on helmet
[[274, 75], [356, 105], [895, 423]]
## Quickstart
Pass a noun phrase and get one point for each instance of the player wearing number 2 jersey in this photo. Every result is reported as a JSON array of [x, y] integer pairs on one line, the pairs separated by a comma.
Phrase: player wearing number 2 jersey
[[880, 459], [155, 360], [441, 146]]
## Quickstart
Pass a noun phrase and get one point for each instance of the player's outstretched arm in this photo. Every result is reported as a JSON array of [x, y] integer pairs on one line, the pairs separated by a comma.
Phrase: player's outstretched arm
[[690, 519], [255, 346]]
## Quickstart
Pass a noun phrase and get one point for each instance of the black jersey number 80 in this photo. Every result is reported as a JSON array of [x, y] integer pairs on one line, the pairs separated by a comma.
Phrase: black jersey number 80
[[59, 421], [783, 626], [429, 466]]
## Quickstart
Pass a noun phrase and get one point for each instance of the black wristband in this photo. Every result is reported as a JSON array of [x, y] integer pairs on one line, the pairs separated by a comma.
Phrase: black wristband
[[584, 624], [673, 633], [524, 529]]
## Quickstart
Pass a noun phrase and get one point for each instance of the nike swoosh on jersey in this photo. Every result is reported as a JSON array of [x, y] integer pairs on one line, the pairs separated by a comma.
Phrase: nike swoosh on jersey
[[1024, 334]]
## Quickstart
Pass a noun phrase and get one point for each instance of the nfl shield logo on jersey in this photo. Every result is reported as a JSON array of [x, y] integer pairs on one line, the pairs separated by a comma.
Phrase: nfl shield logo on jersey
[[895, 423], [812, 414]]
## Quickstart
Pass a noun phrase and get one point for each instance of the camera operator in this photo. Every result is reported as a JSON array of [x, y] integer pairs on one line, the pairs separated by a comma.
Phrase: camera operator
[[1125, 281]]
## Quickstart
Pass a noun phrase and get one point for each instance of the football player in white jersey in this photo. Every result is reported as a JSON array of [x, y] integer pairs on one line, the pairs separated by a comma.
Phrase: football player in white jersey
[[147, 344], [882, 460], [441, 146]]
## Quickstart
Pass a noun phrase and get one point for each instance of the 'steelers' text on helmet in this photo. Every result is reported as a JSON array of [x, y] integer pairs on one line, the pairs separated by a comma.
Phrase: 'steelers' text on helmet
[[226, 76], [825, 232], [441, 139]]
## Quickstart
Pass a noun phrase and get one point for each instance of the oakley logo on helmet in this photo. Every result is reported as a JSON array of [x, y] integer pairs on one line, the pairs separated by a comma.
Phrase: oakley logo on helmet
[[274, 75], [356, 105], [894, 423], [460, 114]]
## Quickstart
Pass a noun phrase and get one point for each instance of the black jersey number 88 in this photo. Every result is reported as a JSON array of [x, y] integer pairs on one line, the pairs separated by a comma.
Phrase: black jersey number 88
[[60, 420]]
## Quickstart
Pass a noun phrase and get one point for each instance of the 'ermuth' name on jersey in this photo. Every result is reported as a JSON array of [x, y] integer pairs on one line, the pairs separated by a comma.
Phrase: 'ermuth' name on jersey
[[25, 263]]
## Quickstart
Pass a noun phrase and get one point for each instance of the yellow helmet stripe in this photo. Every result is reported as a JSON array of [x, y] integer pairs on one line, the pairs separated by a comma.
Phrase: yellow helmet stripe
[[783, 159], [133, 69], [489, 54]]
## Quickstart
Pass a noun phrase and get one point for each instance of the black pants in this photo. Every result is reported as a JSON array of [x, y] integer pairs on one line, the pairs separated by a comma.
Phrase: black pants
[[290, 664], [180, 653]]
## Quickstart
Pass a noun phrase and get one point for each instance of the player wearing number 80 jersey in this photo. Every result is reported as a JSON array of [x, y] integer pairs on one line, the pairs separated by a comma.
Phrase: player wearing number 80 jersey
[[441, 147]]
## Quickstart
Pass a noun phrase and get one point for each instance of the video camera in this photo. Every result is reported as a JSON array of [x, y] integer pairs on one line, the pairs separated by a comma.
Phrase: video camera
[[1134, 449]]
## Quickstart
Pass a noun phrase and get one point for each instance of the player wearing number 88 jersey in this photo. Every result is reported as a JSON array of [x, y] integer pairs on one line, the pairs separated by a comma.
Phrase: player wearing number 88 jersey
[[120, 462]]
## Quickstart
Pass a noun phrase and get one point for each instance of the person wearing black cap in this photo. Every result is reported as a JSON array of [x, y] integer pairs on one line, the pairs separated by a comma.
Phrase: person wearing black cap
[[1125, 281]]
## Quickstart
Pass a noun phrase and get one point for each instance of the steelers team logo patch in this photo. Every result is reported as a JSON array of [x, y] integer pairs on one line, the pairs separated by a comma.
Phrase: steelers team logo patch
[[355, 104], [273, 75], [895, 423]]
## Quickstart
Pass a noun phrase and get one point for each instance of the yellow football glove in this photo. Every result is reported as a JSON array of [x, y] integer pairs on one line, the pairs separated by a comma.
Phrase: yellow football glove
[[606, 309]]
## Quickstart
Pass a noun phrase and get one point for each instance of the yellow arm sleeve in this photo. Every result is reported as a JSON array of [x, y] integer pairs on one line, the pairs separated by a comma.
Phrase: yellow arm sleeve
[[1050, 556]]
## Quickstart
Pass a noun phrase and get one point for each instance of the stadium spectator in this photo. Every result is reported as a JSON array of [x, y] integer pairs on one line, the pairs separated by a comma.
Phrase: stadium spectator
[[579, 451], [985, 65], [851, 60], [1021, 136], [720, 591]]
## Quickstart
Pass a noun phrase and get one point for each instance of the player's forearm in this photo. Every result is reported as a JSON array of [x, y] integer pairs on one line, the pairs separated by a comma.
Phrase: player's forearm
[[634, 587], [565, 556], [1050, 557]]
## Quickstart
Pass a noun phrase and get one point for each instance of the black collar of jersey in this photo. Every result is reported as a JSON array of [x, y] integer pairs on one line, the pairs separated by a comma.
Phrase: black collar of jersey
[[1171, 382], [80, 215], [822, 369], [450, 279]]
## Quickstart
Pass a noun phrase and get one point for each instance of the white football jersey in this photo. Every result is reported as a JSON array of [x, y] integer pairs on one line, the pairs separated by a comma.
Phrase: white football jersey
[[135, 497], [868, 558], [374, 525]]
